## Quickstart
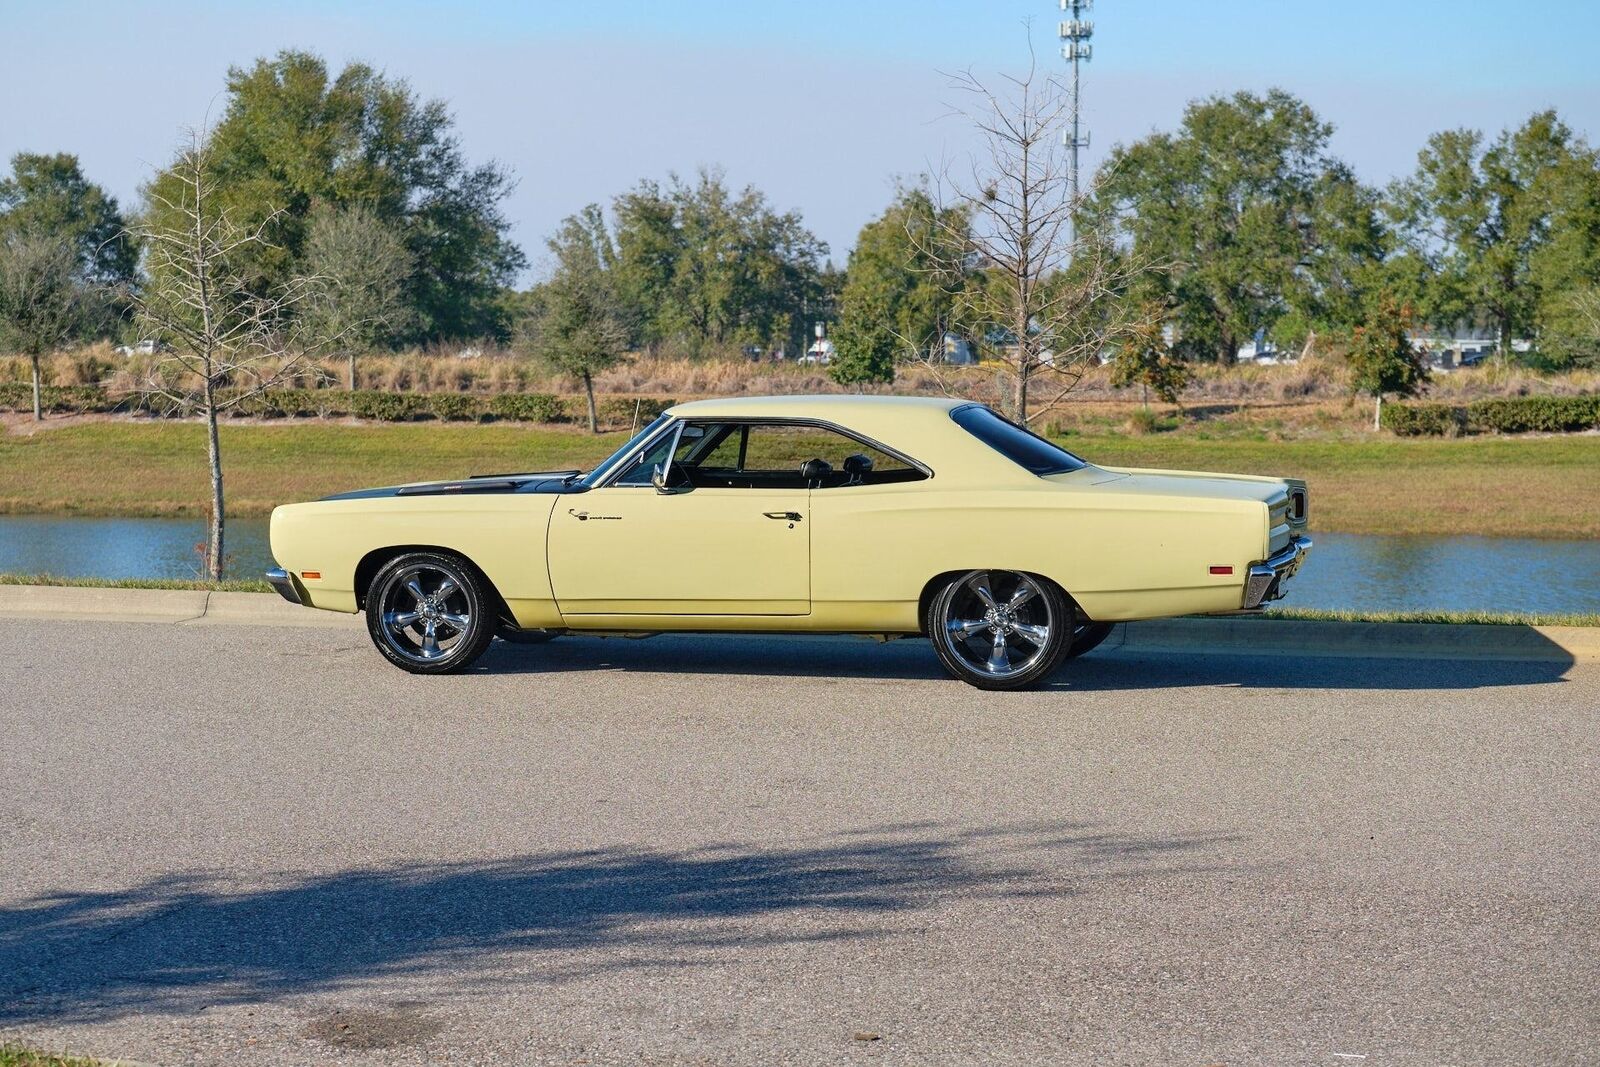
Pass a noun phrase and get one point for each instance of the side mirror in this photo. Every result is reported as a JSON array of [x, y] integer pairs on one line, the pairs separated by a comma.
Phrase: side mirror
[[668, 479]]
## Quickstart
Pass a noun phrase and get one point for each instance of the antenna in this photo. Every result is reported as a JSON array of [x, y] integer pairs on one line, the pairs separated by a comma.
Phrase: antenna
[[1075, 49]]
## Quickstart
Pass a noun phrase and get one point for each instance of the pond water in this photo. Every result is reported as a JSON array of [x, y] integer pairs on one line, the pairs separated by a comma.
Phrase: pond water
[[1344, 572]]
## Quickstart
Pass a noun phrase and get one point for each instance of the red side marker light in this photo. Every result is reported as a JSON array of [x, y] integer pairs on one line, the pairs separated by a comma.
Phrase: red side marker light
[[1221, 570]]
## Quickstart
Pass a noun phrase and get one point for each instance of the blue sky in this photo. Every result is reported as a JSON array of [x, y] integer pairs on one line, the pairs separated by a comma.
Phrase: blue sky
[[821, 104]]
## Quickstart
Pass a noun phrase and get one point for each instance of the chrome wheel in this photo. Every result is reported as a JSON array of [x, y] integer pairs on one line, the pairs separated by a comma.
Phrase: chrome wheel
[[999, 625], [425, 612]]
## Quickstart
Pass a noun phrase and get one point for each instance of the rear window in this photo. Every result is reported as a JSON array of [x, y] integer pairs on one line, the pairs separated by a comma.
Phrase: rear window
[[1022, 447]]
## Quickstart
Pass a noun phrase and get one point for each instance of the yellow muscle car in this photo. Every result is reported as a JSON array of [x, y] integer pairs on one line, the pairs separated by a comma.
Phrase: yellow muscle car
[[885, 516]]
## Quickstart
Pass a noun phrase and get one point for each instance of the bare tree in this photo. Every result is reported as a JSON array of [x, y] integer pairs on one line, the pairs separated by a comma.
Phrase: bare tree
[[41, 297], [1047, 296], [224, 343]]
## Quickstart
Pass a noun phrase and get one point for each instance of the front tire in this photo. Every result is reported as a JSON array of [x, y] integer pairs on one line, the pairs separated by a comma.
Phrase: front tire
[[430, 613], [1000, 629]]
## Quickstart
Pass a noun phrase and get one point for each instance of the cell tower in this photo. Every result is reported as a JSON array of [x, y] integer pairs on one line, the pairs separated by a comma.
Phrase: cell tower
[[1075, 49]]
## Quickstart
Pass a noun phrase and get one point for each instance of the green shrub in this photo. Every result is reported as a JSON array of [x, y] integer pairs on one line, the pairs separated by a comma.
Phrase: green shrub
[[385, 407], [1534, 414], [1418, 420], [70, 399], [619, 411], [527, 407], [455, 407]]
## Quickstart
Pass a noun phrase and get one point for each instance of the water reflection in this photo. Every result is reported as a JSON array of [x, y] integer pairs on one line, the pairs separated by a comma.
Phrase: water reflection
[[1345, 571]]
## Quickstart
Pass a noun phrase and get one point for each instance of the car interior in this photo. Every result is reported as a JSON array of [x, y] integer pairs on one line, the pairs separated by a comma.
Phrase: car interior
[[770, 456]]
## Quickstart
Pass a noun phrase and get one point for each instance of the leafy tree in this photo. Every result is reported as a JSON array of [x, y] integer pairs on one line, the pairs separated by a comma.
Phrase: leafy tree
[[1502, 229], [699, 265], [1382, 359], [578, 324], [49, 194], [1257, 222], [899, 297], [1145, 359], [357, 267], [41, 296], [293, 137], [864, 342]]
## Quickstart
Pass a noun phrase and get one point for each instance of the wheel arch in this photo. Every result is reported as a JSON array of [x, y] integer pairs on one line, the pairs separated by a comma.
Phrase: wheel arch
[[930, 589], [373, 562]]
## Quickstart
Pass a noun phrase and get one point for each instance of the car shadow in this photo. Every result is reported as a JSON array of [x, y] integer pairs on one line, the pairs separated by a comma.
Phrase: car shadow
[[1108, 668], [185, 941]]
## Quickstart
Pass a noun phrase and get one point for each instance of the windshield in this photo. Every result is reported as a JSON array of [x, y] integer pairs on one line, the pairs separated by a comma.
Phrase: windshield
[[1022, 447], [588, 480]]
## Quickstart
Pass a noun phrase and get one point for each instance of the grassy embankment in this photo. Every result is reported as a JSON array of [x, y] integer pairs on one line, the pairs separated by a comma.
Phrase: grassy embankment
[[1491, 486]]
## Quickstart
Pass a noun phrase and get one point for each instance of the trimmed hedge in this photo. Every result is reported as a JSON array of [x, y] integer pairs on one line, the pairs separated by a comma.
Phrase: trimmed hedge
[[620, 410], [1533, 414], [75, 399], [1509, 414], [1418, 420], [455, 407], [527, 407]]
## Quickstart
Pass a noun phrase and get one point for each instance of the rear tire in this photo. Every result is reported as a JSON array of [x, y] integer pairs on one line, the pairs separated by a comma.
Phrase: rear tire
[[430, 613], [1000, 630]]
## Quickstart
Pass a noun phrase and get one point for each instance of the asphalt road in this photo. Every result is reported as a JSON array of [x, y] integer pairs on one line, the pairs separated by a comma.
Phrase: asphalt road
[[264, 846]]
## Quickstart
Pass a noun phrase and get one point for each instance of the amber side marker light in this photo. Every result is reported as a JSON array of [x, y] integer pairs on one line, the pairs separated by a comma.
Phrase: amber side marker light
[[1221, 570], [312, 576]]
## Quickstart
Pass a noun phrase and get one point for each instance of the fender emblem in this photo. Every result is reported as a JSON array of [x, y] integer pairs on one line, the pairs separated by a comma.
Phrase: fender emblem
[[584, 516]]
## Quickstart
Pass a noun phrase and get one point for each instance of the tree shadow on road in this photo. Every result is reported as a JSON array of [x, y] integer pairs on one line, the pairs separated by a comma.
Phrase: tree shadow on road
[[1108, 668], [178, 943]]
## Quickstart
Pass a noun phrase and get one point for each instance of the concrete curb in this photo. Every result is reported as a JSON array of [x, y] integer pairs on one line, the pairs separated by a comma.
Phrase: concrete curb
[[192, 607], [1237, 636]]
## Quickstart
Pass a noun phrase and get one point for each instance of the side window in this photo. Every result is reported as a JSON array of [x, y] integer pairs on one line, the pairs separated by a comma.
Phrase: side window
[[771, 455]]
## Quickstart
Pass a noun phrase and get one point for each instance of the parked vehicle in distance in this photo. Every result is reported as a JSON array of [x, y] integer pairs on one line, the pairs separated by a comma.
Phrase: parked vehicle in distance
[[887, 516]]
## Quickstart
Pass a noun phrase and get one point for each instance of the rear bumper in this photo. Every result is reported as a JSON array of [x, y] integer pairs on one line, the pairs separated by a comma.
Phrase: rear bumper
[[284, 583], [1267, 578]]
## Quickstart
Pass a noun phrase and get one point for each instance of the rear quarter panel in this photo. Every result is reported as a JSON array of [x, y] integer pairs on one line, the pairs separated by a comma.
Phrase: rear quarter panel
[[1122, 557]]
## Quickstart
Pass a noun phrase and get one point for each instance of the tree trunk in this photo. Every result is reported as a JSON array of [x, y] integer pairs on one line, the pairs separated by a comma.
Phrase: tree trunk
[[214, 543], [38, 409], [1019, 400], [1504, 338], [352, 358], [1377, 413], [588, 388]]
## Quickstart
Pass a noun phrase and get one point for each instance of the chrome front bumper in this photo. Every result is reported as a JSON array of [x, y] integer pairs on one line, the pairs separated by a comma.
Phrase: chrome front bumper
[[283, 582], [1267, 578]]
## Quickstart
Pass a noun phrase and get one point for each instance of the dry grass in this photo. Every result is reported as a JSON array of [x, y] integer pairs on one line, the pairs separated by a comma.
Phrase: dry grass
[[1312, 380], [1510, 486]]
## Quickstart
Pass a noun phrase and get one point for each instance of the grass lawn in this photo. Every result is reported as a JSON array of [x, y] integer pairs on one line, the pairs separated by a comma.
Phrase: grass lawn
[[1493, 486]]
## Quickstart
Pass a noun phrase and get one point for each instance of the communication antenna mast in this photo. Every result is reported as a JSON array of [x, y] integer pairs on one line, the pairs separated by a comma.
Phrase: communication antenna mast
[[1075, 49]]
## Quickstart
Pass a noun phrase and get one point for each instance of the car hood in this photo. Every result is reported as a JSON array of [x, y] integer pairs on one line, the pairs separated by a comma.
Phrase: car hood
[[532, 482]]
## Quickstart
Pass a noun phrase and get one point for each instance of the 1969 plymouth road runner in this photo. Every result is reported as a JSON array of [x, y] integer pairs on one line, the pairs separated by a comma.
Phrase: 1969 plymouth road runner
[[885, 516]]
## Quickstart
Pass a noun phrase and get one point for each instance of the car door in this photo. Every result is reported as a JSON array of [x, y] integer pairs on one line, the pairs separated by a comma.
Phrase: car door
[[715, 544]]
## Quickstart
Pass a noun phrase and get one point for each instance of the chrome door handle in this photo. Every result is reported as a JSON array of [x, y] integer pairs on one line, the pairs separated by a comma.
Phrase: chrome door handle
[[784, 516]]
